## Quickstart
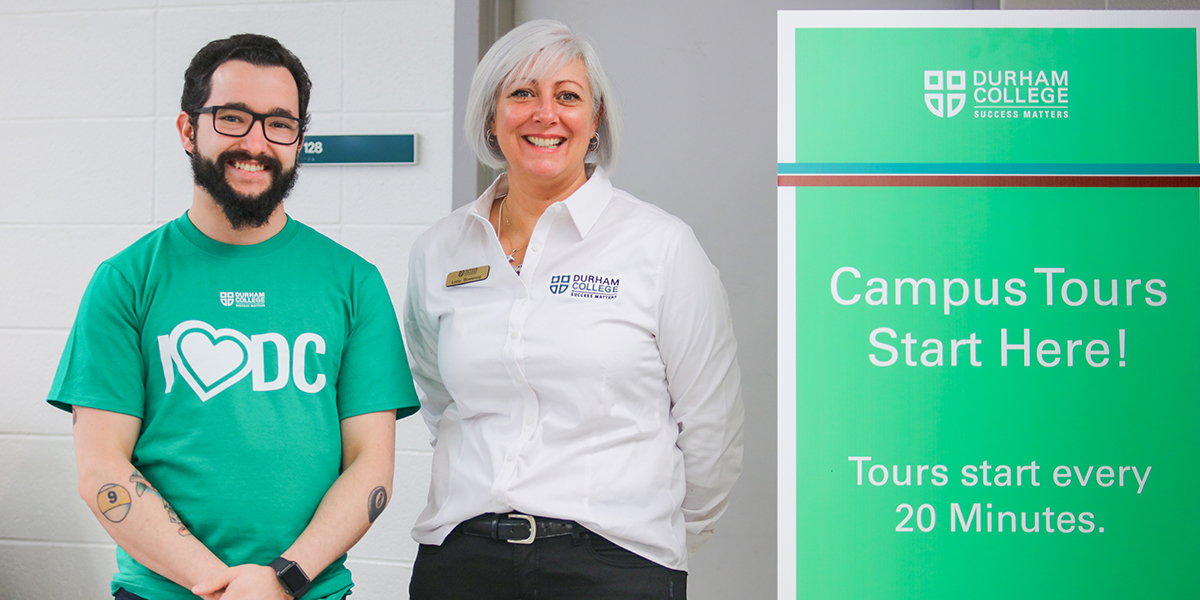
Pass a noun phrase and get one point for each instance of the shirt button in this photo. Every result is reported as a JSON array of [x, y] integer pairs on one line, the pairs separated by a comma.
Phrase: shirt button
[[536, 247], [510, 457], [521, 294], [529, 420], [558, 207]]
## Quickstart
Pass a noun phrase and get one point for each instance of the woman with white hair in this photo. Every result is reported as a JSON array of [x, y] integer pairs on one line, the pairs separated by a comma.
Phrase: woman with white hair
[[574, 353]]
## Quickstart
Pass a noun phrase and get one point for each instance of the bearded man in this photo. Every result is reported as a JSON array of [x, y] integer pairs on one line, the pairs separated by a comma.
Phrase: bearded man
[[235, 376]]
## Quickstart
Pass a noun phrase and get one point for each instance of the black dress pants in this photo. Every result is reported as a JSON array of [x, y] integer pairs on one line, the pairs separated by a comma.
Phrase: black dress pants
[[582, 567]]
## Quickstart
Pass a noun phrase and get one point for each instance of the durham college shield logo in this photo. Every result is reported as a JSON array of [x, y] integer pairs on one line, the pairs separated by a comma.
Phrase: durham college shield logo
[[560, 283], [945, 105]]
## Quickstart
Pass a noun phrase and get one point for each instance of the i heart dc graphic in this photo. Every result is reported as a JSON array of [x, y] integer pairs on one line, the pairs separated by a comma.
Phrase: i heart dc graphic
[[211, 360]]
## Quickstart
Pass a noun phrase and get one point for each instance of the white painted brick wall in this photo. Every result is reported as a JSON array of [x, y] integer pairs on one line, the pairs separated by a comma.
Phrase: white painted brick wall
[[76, 171], [91, 160]]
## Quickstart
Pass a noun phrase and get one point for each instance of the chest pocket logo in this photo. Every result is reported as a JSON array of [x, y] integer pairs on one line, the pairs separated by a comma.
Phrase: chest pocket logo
[[211, 360]]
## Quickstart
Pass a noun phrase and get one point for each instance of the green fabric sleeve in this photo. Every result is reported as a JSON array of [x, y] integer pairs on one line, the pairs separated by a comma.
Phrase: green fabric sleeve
[[374, 374], [102, 365]]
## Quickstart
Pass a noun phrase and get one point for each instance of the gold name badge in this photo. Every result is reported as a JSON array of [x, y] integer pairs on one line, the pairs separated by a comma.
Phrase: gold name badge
[[467, 276]]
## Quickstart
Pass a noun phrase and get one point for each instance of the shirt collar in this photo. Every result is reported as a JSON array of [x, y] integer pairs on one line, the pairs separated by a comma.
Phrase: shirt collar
[[482, 206], [584, 206]]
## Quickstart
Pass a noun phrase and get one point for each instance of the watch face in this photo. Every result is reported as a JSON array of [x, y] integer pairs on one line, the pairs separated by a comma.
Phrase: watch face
[[293, 579]]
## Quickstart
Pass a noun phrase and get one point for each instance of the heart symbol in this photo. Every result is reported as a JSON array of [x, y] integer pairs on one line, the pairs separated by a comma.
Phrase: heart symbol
[[209, 359], [211, 362]]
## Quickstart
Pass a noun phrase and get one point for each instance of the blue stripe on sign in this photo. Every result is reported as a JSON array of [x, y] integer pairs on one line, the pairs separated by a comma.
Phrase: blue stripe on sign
[[398, 149], [986, 169]]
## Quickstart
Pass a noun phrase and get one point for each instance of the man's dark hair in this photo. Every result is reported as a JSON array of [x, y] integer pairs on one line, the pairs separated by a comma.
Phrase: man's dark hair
[[258, 50]]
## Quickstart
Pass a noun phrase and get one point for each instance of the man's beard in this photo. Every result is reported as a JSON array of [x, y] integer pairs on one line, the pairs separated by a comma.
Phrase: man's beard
[[241, 210]]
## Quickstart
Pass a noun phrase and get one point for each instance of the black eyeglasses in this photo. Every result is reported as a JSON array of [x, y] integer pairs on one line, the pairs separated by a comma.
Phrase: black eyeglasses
[[237, 122]]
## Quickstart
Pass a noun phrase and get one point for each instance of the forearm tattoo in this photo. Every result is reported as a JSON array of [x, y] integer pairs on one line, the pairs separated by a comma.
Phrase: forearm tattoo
[[115, 502], [376, 502], [143, 486]]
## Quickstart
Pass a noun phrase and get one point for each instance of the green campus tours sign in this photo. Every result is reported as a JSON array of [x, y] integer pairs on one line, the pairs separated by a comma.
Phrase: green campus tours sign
[[997, 383], [995, 387]]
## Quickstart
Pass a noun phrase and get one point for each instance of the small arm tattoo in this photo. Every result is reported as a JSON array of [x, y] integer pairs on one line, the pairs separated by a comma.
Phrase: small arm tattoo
[[143, 485], [113, 502], [376, 503]]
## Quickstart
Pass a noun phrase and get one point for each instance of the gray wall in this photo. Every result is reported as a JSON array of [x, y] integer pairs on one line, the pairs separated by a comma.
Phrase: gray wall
[[697, 85], [697, 92]]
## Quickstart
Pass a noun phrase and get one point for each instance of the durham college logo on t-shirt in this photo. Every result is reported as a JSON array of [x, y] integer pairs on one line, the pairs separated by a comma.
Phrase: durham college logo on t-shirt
[[244, 299], [211, 360]]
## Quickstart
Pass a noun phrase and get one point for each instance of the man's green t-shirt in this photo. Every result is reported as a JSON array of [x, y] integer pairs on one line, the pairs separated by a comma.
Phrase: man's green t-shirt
[[241, 361]]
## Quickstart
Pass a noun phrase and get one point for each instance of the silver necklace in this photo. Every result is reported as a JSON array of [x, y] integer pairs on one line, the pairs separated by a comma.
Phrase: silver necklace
[[500, 227]]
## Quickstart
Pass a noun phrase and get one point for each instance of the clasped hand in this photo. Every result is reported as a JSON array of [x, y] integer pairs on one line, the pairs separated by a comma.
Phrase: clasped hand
[[243, 582]]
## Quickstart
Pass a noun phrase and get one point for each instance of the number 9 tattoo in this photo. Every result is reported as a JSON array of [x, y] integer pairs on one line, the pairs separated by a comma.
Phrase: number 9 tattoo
[[113, 502]]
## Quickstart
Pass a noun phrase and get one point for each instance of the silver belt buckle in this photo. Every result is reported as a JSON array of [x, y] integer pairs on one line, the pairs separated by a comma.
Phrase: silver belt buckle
[[532, 528]]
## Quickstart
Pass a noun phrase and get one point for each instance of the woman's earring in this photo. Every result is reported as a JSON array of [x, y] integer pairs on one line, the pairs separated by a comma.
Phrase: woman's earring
[[594, 143], [491, 139]]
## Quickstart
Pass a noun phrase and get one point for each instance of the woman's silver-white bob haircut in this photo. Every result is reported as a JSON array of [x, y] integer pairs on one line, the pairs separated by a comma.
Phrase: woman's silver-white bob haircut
[[535, 50]]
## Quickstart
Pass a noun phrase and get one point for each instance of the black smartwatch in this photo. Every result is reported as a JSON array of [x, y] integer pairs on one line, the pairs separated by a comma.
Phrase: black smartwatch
[[291, 577]]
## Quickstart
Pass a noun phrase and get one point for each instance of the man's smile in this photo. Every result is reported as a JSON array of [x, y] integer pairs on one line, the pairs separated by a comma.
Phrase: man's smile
[[247, 166]]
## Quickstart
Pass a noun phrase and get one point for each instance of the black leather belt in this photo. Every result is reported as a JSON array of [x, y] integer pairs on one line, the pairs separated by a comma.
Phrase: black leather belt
[[517, 528]]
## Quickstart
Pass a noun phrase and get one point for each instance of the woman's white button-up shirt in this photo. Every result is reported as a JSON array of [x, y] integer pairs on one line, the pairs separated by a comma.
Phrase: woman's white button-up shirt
[[600, 384]]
